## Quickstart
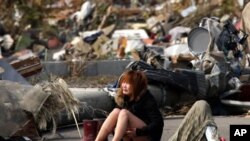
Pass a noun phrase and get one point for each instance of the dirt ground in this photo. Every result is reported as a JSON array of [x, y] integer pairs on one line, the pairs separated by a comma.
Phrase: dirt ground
[[90, 81]]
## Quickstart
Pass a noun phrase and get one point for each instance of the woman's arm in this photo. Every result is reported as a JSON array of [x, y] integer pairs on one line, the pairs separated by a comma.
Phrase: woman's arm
[[152, 117]]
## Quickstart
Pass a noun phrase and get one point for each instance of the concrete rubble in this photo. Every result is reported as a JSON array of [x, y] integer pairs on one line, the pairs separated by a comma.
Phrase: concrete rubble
[[189, 50]]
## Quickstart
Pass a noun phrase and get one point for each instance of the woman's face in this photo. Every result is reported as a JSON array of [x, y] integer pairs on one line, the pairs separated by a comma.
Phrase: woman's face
[[126, 90]]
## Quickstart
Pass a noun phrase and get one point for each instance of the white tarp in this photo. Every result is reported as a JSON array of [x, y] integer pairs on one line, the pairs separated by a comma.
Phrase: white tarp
[[130, 34]]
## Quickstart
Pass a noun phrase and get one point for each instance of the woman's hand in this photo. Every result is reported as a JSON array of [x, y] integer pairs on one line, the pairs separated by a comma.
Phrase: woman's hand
[[131, 132]]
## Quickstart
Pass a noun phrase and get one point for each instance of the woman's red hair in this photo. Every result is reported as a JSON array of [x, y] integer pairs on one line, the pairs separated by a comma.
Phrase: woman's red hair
[[138, 82]]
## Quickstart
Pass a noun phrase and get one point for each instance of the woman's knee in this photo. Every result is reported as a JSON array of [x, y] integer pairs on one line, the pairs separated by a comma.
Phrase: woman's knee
[[115, 111], [124, 113]]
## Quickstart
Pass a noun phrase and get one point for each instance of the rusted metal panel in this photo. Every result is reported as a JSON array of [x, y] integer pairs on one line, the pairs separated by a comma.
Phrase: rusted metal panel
[[27, 67]]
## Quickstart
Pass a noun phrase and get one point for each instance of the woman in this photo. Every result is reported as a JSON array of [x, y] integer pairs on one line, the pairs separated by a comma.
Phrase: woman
[[136, 116]]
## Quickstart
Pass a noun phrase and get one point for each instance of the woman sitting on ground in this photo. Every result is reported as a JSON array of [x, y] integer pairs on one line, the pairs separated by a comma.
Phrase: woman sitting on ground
[[136, 116]]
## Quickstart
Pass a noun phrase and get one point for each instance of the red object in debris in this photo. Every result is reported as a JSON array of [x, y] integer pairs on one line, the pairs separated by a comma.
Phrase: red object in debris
[[222, 139], [89, 130], [152, 36], [53, 42], [99, 124], [245, 92], [168, 37], [238, 25]]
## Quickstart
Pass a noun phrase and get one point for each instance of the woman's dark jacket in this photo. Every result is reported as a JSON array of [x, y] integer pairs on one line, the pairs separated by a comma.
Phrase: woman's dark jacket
[[147, 110]]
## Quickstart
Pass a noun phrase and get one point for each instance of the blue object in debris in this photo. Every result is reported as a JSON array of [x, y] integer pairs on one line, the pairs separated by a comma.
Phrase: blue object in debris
[[92, 38], [11, 74]]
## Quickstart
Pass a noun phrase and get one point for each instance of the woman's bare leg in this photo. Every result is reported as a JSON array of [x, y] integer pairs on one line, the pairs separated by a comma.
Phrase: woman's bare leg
[[121, 126], [127, 120], [108, 125]]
